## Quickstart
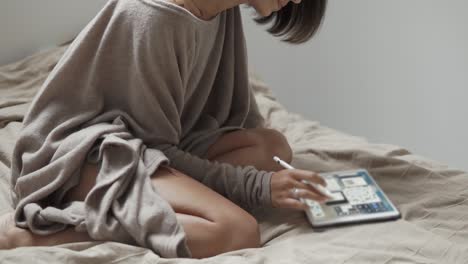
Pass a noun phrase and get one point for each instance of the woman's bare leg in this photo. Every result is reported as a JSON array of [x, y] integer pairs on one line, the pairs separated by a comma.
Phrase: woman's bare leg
[[245, 147], [202, 236], [212, 223], [255, 147], [18, 237]]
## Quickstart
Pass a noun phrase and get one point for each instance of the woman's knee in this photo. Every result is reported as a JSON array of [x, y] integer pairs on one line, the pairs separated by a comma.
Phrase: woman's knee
[[275, 143], [233, 227], [239, 231]]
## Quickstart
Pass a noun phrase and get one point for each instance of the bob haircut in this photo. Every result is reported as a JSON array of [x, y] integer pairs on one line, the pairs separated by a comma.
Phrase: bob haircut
[[297, 23]]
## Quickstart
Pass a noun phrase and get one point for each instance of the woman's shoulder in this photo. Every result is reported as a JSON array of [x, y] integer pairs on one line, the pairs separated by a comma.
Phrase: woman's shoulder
[[154, 21], [158, 12]]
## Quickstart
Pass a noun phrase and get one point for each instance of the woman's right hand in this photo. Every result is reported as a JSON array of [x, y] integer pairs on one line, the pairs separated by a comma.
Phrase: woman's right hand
[[283, 183]]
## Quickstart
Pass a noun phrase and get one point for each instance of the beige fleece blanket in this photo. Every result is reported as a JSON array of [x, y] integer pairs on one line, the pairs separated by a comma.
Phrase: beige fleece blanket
[[432, 197]]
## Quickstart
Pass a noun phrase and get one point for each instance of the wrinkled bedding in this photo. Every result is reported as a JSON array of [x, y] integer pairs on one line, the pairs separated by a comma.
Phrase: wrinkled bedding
[[432, 197]]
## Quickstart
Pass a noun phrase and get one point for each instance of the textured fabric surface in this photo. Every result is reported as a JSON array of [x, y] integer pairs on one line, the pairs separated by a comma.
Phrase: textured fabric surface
[[145, 83], [432, 197]]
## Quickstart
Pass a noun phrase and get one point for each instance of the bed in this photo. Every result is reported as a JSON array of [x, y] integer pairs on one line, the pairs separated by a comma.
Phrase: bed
[[432, 197]]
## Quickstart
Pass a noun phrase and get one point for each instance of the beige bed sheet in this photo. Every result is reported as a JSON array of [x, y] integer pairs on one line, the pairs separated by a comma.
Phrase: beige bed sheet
[[432, 197]]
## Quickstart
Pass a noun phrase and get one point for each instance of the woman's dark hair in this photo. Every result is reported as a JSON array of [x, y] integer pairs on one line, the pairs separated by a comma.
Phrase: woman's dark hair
[[296, 22]]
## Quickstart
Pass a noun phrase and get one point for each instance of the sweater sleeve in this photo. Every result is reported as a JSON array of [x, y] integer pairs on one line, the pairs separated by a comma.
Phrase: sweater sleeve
[[244, 185]]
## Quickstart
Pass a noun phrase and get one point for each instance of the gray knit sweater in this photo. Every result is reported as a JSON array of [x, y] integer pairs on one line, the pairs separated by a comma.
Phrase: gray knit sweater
[[145, 83]]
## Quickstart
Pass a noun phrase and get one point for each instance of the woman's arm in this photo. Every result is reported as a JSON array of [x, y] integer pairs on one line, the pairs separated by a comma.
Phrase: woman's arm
[[244, 185]]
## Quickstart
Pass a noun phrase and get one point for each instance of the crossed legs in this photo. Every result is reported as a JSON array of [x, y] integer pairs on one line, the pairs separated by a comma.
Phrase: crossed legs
[[213, 224]]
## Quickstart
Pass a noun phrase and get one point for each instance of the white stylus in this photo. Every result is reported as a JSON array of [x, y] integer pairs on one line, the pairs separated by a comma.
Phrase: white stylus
[[318, 187]]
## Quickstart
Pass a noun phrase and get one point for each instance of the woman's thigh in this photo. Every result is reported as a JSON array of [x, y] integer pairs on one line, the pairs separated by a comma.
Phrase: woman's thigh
[[183, 193], [271, 140], [188, 196], [229, 141]]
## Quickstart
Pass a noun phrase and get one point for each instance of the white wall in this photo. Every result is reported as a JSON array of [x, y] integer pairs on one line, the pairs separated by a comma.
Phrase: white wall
[[394, 71], [27, 26]]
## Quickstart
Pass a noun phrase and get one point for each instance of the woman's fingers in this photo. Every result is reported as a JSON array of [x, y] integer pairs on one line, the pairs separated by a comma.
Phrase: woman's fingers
[[307, 194], [311, 177], [284, 183], [294, 204], [308, 176], [301, 185]]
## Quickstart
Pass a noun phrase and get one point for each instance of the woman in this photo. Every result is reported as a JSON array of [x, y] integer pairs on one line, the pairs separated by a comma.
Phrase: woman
[[146, 133]]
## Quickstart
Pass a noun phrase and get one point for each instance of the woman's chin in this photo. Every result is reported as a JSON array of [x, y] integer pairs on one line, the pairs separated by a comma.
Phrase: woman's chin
[[266, 13]]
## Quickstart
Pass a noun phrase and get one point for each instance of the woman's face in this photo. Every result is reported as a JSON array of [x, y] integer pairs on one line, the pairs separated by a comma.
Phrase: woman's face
[[266, 7]]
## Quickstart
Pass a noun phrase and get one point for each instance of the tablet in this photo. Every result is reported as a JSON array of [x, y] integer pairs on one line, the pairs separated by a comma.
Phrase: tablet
[[356, 198]]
